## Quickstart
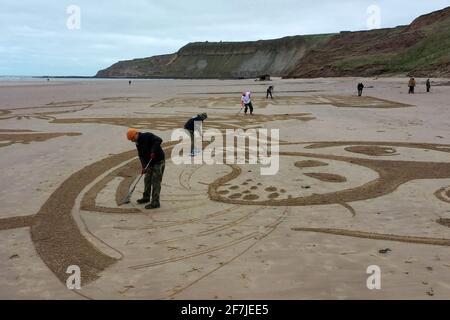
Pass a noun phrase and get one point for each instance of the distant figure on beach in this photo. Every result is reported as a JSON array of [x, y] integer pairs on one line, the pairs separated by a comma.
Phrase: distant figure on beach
[[428, 84], [269, 92], [411, 85], [129, 83], [360, 89], [246, 101]]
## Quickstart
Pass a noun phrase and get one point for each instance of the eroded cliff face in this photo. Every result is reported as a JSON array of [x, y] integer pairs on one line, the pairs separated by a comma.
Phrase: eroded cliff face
[[419, 49], [221, 59]]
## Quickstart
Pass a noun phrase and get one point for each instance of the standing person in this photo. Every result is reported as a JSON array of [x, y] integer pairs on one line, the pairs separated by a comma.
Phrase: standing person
[[149, 149], [411, 85], [190, 127], [428, 84], [246, 101], [360, 89], [129, 83], [269, 92]]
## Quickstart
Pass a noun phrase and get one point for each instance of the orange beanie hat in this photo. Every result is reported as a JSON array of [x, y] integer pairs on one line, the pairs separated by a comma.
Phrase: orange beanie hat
[[131, 134]]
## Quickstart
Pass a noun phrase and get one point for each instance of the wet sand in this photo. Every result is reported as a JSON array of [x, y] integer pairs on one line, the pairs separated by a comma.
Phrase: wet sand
[[357, 176]]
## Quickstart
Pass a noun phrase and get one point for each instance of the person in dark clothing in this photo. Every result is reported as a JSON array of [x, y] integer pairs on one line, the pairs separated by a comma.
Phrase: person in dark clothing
[[129, 83], [190, 127], [411, 85], [149, 150], [428, 84], [360, 89], [269, 92]]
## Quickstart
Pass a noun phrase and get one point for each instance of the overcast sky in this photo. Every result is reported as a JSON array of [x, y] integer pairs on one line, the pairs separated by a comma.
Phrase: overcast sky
[[39, 37]]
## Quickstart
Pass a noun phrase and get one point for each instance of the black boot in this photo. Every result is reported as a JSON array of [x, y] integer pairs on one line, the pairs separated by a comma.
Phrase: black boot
[[153, 206], [143, 200]]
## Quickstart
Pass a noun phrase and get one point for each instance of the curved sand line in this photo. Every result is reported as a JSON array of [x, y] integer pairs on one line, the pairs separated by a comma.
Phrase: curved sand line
[[378, 236], [55, 234]]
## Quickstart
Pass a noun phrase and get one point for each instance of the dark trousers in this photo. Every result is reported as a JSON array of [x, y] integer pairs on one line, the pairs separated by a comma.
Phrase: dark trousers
[[428, 88], [411, 89], [360, 92], [152, 182], [249, 106], [269, 93], [191, 134]]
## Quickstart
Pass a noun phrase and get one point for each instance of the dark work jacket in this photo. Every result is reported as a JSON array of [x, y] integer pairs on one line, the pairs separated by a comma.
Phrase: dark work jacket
[[191, 123], [146, 144]]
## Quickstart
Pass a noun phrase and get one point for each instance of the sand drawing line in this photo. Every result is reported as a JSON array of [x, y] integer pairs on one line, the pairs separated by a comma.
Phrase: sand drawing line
[[271, 228], [253, 235], [214, 229], [182, 222], [16, 222], [378, 236], [26, 138]]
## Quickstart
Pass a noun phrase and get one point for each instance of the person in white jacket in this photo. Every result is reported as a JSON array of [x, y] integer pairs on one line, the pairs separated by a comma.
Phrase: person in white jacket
[[246, 101]]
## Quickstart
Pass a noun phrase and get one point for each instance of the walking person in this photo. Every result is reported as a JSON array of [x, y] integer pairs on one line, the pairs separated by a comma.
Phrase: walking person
[[152, 157], [428, 84], [360, 89], [190, 127], [411, 85], [269, 92], [246, 102]]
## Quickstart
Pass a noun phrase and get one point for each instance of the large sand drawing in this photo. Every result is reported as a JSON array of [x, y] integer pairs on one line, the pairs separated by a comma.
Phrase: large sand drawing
[[316, 174]]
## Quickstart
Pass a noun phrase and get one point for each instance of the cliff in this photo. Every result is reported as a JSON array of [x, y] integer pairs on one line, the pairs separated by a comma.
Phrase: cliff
[[420, 49]]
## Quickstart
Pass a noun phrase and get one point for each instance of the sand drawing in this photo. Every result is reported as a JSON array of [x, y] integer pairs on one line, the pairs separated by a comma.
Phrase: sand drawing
[[240, 192]]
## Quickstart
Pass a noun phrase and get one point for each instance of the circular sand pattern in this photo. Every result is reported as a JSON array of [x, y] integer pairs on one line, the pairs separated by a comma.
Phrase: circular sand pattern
[[234, 188], [224, 192], [327, 177], [310, 164], [271, 189], [443, 194], [235, 196], [273, 195], [376, 151]]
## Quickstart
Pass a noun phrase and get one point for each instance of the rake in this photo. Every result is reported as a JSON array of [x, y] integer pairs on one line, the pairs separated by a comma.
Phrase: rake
[[127, 199]]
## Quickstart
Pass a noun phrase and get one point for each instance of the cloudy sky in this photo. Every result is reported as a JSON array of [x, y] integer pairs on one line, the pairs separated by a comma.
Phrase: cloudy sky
[[80, 37]]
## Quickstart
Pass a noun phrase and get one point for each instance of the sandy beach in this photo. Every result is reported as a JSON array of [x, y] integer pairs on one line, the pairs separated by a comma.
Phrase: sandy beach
[[363, 181]]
